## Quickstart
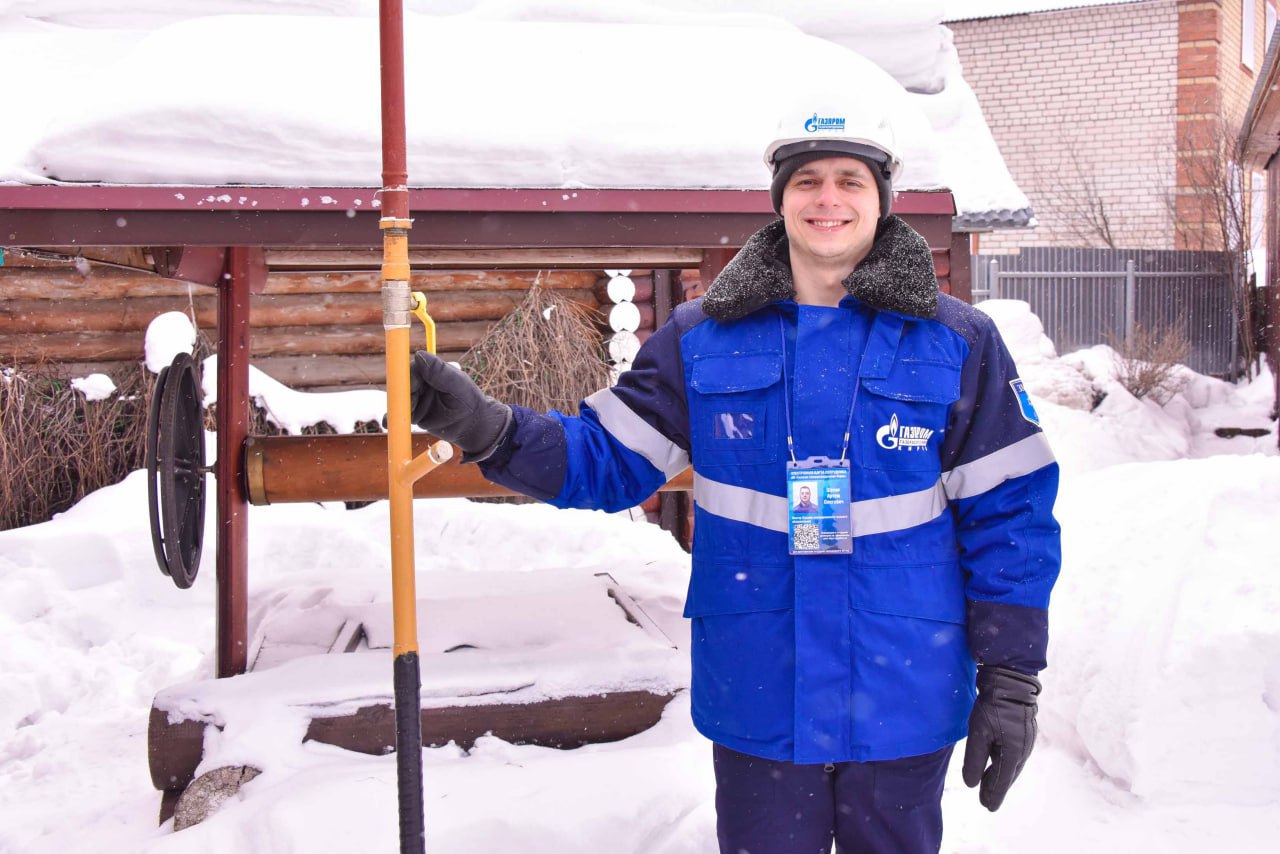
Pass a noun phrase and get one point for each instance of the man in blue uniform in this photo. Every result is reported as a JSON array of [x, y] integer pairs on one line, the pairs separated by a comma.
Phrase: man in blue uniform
[[835, 666]]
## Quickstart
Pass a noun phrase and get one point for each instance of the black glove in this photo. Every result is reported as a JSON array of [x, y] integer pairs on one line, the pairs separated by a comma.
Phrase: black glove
[[446, 403], [1002, 728]]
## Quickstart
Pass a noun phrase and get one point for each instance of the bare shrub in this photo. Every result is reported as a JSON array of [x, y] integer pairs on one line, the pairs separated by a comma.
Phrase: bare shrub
[[56, 446], [547, 353], [1147, 364]]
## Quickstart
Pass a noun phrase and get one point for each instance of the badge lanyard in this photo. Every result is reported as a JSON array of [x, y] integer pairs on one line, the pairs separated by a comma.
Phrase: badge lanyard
[[819, 489]]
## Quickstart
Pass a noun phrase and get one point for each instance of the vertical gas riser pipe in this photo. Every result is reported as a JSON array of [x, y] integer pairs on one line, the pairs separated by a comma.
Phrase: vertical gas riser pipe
[[397, 305]]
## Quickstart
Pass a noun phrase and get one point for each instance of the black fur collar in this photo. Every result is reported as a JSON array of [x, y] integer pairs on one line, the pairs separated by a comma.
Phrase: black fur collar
[[897, 274]]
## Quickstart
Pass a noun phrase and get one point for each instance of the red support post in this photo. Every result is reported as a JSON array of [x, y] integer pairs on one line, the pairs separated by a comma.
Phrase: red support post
[[243, 266]]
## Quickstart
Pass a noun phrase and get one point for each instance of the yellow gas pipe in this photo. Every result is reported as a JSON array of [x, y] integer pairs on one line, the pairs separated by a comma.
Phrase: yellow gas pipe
[[403, 469]]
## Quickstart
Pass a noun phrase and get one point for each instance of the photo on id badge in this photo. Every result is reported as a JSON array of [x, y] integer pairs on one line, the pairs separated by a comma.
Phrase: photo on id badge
[[818, 498]]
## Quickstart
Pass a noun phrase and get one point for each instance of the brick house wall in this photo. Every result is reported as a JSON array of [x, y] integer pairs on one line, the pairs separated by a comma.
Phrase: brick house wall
[[1216, 77], [1112, 110], [1075, 99]]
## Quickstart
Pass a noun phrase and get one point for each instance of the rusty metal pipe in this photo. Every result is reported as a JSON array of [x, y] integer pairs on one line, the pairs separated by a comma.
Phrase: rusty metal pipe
[[294, 469]]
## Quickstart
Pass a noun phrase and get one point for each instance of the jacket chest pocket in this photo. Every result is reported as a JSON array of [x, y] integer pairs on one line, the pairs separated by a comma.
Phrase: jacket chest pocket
[[735, 408], [903, 417]]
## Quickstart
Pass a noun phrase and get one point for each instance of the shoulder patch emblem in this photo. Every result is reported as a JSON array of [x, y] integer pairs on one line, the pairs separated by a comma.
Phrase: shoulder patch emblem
[[1024, 401]]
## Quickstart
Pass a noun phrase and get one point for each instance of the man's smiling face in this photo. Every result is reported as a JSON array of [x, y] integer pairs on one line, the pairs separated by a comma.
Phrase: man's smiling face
[[831, 208]]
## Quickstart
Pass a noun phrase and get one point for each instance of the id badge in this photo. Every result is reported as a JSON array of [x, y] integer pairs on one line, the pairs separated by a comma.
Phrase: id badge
[[818, 494]]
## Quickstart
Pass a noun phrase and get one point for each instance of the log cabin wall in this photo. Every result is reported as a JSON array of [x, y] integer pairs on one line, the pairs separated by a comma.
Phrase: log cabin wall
[[310, 330]]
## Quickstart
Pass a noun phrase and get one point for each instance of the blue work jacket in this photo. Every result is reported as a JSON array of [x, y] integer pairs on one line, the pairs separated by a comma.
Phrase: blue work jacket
[[828, 658]]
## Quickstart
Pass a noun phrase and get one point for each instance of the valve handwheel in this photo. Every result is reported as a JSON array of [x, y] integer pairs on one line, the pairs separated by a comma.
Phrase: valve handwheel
[[176, 470]]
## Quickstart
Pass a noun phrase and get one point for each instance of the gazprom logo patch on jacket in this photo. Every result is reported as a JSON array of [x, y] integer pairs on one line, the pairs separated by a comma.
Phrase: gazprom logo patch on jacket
[[1024, 402], [903, 437], [827, 123]]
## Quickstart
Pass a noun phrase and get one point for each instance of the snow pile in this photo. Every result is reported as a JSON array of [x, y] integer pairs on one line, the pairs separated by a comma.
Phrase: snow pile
[[293, 411], [1044, 376], [295, 107], [94, 386], [168, 335], [1078, 395], [254, 121], [1181, 704]]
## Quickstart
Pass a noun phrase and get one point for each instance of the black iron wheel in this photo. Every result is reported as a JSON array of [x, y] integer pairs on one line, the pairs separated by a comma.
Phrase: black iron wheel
[[176, 470]]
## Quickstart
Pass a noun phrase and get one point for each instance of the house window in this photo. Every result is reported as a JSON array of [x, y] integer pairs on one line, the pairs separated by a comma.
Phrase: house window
[[1248, 16]]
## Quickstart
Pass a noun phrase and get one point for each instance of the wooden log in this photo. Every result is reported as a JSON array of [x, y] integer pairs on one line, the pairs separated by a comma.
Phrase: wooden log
[[644, 290], [564, 723], [99, 283], [941, 262], [71, 370], [329, 340], [72, 347], [71, 285], [646, 314], [290, 469], [332, 373], [175, 747], [265, 311], [319, 340], [129, 256], [430, 281], [460, 259]]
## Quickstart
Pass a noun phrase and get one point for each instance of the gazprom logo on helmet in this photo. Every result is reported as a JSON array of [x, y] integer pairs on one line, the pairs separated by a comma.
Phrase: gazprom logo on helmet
[[825, 123]]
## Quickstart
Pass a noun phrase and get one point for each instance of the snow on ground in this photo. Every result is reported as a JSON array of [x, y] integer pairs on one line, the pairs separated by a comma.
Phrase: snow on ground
[[1160, 718]]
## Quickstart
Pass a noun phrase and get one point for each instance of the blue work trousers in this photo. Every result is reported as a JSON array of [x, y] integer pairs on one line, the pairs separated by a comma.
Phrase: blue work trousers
[[765, 806]]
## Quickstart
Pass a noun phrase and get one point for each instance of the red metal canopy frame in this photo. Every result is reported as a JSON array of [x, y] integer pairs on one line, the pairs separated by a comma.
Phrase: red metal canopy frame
[[215, 236], [103, 215]]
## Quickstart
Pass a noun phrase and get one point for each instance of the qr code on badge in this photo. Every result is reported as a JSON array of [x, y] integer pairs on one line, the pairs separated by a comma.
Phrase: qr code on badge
[[805, 538]]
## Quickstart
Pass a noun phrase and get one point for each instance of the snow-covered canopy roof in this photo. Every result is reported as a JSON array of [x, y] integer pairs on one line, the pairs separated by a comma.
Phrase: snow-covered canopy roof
[[675, 94]]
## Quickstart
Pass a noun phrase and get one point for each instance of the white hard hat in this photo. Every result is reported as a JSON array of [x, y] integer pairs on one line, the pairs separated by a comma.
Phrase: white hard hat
[[862, 133]]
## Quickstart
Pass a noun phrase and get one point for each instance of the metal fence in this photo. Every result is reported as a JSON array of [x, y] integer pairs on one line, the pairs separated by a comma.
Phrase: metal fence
[[1093, 296]]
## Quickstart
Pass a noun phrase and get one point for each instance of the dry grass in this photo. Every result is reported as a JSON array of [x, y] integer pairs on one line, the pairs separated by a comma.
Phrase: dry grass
[[547, 353], [1147, 364], [56, 446]]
